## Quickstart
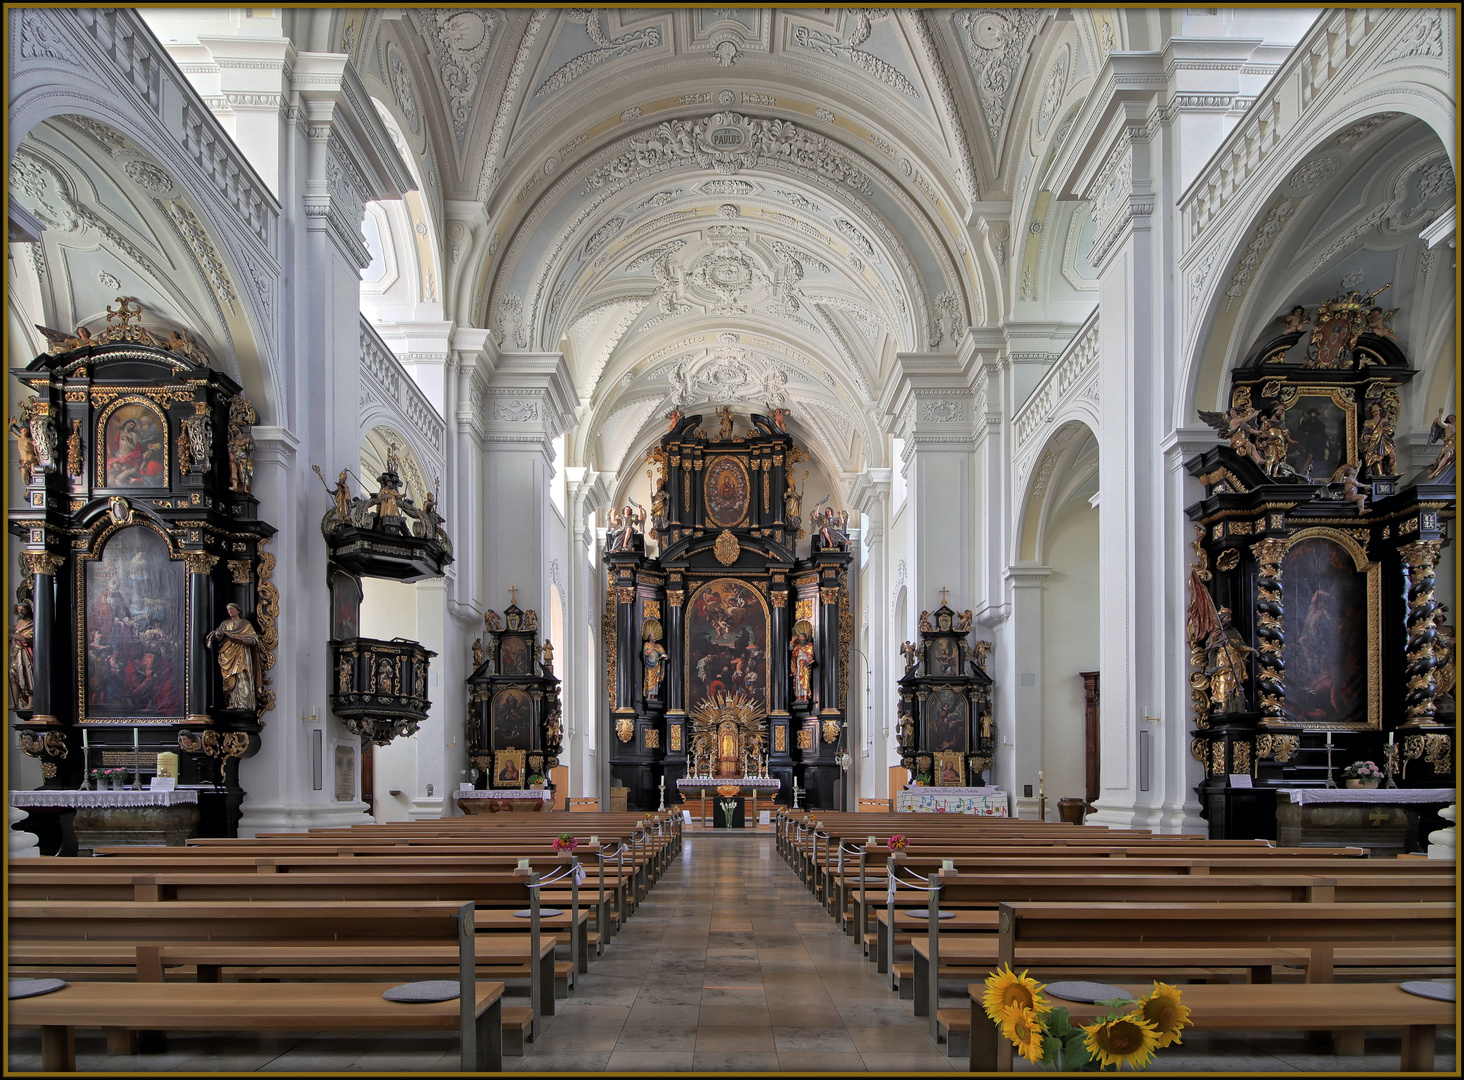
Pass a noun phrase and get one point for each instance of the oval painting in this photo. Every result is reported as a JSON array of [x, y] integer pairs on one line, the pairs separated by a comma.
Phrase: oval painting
[[727, 491]]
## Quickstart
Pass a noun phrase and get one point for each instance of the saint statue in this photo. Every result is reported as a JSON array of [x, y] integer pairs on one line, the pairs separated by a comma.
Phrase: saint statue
[[802, 650], [1441, 431], [909, 651], [1226, 664], [659, 505], [23, 656], [239, 660], [241, 459], [653, 655], [25, 450], [792, 507], [724, 414], [477, 653], [1378, 451]]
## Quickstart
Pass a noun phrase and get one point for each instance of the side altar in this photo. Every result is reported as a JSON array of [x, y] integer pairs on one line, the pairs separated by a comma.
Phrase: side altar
[[727, 653]]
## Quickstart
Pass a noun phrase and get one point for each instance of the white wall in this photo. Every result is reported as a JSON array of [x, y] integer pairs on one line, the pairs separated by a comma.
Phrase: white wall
[[1069, 644]]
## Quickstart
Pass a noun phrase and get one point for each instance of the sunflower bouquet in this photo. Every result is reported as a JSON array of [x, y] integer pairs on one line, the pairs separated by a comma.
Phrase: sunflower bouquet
[[1045, 1034]]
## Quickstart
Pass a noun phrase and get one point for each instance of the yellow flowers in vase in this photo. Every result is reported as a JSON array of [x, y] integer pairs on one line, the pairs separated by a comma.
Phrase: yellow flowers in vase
[[1044, 1033]]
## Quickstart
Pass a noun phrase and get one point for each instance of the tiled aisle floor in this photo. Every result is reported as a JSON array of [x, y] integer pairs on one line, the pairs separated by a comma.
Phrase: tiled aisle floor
[[728, 965]]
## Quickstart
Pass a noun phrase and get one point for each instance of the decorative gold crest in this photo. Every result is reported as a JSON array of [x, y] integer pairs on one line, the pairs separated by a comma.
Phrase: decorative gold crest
[[727, 549], [831, 731], [625, 729]]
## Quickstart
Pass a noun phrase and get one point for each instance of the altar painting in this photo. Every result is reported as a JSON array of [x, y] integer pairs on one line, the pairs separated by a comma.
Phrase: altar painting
[[1320, 430], [727, 491], [946, 728], [726, 642], [1327, 639], [512, 716], [136, 446], [513, 656], [135, 616]]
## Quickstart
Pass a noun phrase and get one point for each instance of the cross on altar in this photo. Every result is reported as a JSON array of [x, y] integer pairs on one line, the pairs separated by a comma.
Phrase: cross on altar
[[512, 595], [1377, 817], [943, 592]]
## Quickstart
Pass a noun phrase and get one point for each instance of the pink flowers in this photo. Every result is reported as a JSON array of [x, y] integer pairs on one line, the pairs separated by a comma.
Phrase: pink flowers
[[565, 842], [897, 843]]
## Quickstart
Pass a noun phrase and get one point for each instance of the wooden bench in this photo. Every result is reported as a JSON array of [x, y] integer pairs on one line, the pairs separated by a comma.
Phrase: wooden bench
[[259, 1007], [1218, 1007], [302, 935]]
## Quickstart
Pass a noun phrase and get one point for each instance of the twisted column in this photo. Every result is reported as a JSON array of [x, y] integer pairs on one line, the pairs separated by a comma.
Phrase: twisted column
[[1421, 557], [1270, 632]]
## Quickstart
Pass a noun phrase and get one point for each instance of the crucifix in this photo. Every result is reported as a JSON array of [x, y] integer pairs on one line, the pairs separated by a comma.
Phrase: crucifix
[[512, 595], [943, 592]]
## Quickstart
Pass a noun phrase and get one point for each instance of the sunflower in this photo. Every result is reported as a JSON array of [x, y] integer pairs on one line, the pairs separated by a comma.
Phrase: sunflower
[[1127, 1040], [1164, 1010], [1024, 1028], [1006, 992]]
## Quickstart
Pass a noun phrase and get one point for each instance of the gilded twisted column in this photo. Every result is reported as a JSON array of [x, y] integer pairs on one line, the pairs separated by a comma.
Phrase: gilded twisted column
[[1270, 632], [1421, 558]]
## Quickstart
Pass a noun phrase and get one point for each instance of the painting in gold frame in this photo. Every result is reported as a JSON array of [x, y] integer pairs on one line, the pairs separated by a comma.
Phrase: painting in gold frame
[[508, 768], [727, 491], [1334, 628], [949, 769]]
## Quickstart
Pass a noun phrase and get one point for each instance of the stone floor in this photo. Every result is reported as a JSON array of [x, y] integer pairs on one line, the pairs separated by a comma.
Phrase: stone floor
[[729, 965]]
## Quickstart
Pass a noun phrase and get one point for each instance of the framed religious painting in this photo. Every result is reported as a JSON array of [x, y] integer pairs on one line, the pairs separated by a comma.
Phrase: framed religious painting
[[946, 721], [511, 722], [134, 627], [345, 773], [133, 446], [1333, 621], [727, 633], [513, 655], [728, 490], [508, 768], [945, 656], [1320, 422], [949, 769]]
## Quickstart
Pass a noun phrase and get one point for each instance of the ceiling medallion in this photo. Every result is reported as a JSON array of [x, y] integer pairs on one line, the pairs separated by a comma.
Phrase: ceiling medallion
[[727, 549]]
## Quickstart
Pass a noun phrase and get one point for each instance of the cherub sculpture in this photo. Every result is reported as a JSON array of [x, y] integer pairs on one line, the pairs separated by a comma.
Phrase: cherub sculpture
[[1236, 426], [1441, 431]]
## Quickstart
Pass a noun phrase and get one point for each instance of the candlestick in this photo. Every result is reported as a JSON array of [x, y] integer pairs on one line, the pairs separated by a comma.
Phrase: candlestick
[[1390, 738], [136, 759], [1329, 738]]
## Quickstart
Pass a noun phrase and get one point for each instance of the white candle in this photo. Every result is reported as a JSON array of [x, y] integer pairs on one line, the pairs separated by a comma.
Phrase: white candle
[[870, 842], [523, 864], [948, 864], [1390, 738], [1329, 738], [594, 841]]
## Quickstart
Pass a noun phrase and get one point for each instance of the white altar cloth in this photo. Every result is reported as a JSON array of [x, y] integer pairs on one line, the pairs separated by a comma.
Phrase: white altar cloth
[[1379, 796], [76, 800], [740, 781], [506, 793]]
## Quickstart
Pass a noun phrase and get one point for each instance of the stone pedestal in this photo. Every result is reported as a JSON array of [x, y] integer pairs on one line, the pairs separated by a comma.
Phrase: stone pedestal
[[21, 844], [1380, 829]]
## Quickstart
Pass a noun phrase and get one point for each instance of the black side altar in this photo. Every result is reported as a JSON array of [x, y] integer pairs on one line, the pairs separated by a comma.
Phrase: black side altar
[[1312, 620], [515, 726], [728, 612], [945, 730], [137, 536]]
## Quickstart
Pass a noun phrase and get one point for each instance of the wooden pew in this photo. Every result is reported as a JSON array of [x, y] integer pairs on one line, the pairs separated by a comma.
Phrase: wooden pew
[[149, 927], [215, 934], [259, 1007]]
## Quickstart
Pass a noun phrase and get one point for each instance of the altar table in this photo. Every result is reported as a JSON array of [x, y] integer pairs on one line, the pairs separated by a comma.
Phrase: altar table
[[507, 800], [1373, 818], [747, 786], [108, 818], [982, 802]]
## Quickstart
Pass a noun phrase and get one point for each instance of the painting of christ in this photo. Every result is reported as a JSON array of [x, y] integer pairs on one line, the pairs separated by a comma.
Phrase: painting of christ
[[1326, 619], [726, 641], [136, 444], [945, 723]]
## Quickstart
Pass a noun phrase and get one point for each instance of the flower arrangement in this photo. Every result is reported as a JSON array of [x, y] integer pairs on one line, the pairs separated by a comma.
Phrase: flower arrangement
[[1362, 770], [100, 775], [565, 842], [923, 780], [1045, 1035], [897, 842]]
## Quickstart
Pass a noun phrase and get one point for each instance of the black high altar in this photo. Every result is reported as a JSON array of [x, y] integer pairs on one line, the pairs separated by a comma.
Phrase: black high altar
[[727, 619], [1312, 619], [514, 728], [146, 622], [945, 731]]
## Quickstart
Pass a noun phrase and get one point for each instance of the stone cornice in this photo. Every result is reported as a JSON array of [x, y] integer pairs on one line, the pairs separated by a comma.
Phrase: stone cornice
[[528, 393], [869, 488]]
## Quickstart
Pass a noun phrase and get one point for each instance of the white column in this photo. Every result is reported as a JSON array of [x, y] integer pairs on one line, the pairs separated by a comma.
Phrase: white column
[[1017, 664], [583, 670], [870, 706]]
